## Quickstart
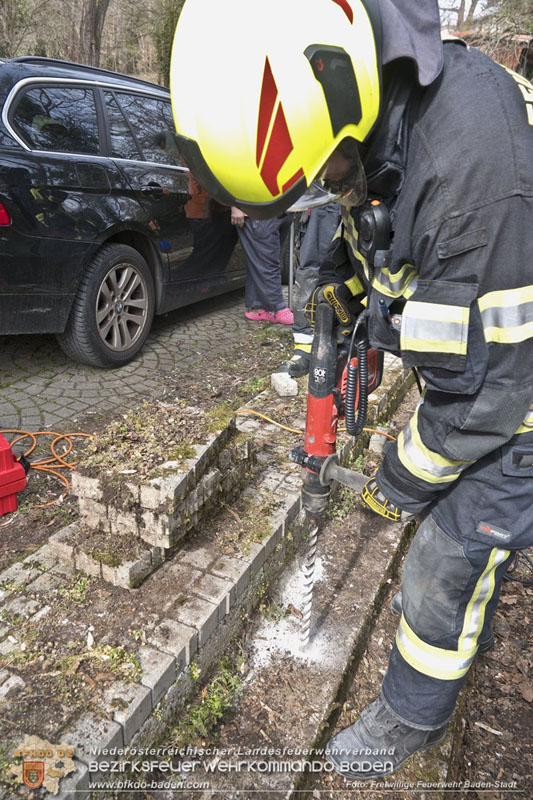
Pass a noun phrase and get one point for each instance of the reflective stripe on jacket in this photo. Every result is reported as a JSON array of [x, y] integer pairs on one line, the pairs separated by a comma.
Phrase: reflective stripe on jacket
[[461, 275]]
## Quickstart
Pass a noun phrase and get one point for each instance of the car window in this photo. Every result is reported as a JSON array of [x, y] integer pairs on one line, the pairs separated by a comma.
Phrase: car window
[[151, 119], [60, 118], [123, 144]]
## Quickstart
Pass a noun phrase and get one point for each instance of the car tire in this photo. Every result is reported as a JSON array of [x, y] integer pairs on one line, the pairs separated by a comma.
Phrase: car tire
[[112, 311]]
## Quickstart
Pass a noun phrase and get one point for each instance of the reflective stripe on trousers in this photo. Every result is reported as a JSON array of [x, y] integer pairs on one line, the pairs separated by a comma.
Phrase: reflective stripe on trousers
[[449, 591], [438, 662]]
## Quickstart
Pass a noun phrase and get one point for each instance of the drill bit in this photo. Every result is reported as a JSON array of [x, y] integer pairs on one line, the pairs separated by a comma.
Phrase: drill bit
[[309, 582]]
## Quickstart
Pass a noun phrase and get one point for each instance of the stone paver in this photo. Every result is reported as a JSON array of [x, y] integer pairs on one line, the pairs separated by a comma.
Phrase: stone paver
[[159, 671], [175, 639], [41, 388], [130, 705]]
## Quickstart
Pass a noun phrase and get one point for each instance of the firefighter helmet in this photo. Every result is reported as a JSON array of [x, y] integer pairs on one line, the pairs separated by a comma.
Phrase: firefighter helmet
[[264, 93]]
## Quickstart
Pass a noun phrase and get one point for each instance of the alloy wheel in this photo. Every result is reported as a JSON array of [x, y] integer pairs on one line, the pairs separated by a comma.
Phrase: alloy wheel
[[122, 307]]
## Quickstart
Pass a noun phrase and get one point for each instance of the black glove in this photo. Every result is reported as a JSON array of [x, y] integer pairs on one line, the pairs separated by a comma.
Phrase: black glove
[[374, 499], [339, 296]]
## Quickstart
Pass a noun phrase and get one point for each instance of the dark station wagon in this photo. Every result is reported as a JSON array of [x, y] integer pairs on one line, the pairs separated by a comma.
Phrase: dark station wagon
[[96, 233]]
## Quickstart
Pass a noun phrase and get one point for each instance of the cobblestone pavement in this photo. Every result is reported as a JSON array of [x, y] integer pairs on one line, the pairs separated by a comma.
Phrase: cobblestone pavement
[[41, 388]]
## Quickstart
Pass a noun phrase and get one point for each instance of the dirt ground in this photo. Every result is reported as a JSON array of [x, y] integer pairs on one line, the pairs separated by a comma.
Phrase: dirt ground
[[496, 716], [231, 380]]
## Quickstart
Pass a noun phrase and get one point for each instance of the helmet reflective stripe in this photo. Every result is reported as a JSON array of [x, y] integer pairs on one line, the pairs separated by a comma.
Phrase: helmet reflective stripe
[[346, 7], [279, 87], [273, 152]]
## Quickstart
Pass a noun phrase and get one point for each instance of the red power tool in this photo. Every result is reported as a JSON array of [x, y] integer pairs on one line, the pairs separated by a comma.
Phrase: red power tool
[[340, 380], [12, 478], [339, 383]]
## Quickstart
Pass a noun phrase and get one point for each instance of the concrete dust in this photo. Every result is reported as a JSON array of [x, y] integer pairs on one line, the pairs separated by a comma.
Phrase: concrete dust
[[275, 638]]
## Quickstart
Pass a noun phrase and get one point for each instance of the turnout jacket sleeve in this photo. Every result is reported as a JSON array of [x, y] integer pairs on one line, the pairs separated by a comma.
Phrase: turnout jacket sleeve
[[467, 327], [463, 223]]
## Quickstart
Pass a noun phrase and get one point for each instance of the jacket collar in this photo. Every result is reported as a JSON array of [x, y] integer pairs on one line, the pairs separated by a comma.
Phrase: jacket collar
[[386, 155]]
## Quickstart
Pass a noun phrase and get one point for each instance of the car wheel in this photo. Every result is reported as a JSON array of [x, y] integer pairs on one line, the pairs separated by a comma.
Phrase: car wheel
[[113, 309]]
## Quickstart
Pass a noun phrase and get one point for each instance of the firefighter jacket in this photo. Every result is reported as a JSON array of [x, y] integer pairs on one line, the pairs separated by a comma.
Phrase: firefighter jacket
[[453, 162]]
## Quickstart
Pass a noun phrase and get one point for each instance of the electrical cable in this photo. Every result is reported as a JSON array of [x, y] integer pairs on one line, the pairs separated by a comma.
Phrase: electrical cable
[[521, 559], [417, 379], [296, 430], [357, 379], [50, 465]]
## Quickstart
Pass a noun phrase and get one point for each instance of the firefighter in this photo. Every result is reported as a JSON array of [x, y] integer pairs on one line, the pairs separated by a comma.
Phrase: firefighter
[[364, 94]]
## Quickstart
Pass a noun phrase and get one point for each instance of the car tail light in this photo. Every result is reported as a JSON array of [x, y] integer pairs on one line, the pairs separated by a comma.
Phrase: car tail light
[[5, 219]]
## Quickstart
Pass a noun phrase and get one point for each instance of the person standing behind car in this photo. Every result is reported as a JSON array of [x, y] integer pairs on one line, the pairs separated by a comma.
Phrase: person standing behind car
[[214, 237], [261, 241]]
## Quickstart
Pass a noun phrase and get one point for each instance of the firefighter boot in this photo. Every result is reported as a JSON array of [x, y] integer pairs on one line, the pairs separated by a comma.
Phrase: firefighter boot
[[486, 643], [377, 730], [299, 363]]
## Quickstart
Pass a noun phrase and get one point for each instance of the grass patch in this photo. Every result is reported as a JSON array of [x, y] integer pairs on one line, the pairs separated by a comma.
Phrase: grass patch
[[77, 592], [272, 334], [181, 452], [254, 386], [344, 503], [108, 557], [124, 665], [219, 417], [137, 444], [217, 698]]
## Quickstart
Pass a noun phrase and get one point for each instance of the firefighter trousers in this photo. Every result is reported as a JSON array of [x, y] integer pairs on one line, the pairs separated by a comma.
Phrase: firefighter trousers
[[450, 590]]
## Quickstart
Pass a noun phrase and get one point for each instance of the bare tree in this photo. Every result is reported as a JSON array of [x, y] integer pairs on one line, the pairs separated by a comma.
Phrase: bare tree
[[93, 14], [477, 14], [128, 38], [17, 19], [460, 14], [497, 28], [166, 16]]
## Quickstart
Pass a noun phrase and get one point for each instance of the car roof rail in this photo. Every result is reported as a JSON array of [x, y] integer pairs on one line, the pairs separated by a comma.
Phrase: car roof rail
[[59, 62]]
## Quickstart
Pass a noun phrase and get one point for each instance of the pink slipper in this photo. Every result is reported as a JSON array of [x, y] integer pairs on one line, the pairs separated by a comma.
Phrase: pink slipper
[[260, 315], [284, 317]]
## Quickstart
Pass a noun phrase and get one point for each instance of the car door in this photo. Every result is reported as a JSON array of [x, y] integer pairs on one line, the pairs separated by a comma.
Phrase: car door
[[58, 187], [200, 258]]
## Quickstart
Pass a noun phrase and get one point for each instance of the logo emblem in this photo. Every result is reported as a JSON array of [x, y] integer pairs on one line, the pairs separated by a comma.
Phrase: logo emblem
[[33, 774]]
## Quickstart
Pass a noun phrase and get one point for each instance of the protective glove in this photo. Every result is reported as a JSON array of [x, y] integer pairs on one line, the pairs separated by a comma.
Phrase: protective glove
[[374, 499], [339, 296]]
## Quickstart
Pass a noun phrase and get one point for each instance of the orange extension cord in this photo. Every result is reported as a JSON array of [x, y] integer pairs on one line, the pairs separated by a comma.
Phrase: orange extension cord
[[50, 465], [296, 430], [58, 462]]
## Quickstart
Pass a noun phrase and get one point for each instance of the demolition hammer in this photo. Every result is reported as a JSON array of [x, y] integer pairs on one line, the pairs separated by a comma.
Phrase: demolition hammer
[[340, 379]]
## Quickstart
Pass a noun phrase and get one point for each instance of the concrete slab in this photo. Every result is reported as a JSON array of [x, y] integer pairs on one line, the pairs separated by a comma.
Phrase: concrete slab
[[199, 613]]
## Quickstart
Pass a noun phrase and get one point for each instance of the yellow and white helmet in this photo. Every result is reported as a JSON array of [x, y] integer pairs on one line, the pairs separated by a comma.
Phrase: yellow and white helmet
[[264, 92]]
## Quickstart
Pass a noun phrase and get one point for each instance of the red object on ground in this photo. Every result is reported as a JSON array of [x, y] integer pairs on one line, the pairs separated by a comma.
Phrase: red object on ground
[[12, 478]]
